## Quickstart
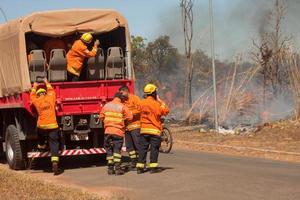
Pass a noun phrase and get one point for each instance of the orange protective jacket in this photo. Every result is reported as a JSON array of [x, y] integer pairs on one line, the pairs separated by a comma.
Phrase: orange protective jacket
[[114, 114], [151, 112], [76, 56], [134, 105], [45, 107]]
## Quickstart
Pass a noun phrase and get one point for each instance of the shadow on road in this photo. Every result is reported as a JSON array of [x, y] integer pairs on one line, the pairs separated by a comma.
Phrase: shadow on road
[[69, 162]]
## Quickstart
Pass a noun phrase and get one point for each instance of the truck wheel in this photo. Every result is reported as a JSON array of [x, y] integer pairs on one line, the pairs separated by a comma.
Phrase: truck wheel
[[14, 154]]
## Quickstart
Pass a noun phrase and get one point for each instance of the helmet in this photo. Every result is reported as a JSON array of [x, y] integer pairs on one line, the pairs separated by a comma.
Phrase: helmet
[[87, 38], [41, 90], [150, 88]]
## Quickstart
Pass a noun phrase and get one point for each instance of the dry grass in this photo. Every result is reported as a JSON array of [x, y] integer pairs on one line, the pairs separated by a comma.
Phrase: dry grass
[[281, 136], [15, 186]]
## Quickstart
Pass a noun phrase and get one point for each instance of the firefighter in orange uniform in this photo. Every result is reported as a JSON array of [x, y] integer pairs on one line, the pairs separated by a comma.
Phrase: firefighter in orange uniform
[[114, 114], [152, 108], [78, 53], [44, 102], [133, 127]]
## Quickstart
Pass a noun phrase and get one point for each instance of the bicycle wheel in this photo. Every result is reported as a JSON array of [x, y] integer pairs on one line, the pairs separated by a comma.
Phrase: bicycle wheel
[[166, 141]]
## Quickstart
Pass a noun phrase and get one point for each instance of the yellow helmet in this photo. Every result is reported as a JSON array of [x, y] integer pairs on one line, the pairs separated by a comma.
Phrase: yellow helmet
[[87, 38], [150, 88], [41, 90]]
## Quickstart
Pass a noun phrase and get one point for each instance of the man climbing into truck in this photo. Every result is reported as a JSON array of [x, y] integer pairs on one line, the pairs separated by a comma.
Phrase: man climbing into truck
[[78, 53], [43, 99]]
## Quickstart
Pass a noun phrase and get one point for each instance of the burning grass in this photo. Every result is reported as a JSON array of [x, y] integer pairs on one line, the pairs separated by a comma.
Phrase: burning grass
[[15, 185]]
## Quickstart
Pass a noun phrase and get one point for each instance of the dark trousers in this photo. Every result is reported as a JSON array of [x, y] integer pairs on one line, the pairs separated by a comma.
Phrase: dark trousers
[[72, 77], [154, 142], [132, 139], [53, 140], [113, 145]]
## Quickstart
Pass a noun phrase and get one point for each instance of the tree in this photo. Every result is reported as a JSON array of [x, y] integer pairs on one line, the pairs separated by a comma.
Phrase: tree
[[139, 54], [161, 56], [202, 69], [187, 24], [270, 51]]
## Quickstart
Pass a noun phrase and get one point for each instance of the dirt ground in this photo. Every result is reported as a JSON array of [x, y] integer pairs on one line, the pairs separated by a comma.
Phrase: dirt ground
[[279, 141], [17, 185]]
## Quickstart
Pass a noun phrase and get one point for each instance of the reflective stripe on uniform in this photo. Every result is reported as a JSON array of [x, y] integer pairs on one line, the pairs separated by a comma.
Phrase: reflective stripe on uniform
[[113, 106], [140, 165], [109, 158], [110, 161], [153, 165], [133, 126], [54, 159], [73, 70], [113, 119], [132, 154], [113, 114], [150, 130], [48, 126], [117, 155]]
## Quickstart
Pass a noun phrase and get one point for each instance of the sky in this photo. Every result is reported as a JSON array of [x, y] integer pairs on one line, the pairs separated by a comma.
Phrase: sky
[[236, 21]]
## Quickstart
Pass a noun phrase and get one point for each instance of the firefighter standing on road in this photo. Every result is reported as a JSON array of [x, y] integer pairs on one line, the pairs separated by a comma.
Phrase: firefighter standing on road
[[114, 114], [78, 53], [44, 102], [152, 108], [133, 127]]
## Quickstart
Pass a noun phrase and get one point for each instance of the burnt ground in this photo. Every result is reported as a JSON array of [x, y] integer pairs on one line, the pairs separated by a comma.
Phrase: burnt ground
[[279, 140]]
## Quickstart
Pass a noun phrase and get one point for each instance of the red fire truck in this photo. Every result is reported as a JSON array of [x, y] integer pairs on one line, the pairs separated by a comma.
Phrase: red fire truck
[[78, 103]]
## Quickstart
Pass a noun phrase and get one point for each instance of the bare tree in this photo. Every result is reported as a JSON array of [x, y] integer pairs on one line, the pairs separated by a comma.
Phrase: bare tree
[[271, 48], [187, 23]]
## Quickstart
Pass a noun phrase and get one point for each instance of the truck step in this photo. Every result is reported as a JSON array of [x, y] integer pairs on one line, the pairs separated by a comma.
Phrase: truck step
[[69, 152]]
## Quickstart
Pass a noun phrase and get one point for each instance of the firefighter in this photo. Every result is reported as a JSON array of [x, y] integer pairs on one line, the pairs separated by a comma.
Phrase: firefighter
[[152, 108], [43, 99], [133, 127], [114, 114], [78, 53]]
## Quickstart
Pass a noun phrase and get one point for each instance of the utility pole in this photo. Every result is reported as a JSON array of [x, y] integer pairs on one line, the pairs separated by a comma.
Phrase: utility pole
[[212, 44], [3, 13]]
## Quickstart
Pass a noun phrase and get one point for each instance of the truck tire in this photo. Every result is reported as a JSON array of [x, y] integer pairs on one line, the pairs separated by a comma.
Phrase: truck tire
[[14, 154]]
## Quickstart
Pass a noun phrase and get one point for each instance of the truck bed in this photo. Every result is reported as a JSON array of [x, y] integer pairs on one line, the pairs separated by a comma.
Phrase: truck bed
[[73, 98]]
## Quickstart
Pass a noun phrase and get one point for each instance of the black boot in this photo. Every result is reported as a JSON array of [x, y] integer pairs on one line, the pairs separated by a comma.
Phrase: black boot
[[55, 168], [118, 169], [140, 170], [110, 170], [132, 165]]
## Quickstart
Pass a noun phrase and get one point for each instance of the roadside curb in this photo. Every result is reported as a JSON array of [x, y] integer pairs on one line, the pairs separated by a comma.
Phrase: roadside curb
[[239, 148]]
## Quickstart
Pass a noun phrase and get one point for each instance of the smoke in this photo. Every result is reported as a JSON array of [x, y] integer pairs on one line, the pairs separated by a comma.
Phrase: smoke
[[237, 22]]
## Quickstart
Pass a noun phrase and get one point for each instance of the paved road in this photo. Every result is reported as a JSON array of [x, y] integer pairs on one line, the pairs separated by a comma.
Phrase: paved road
[[194, 175]]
